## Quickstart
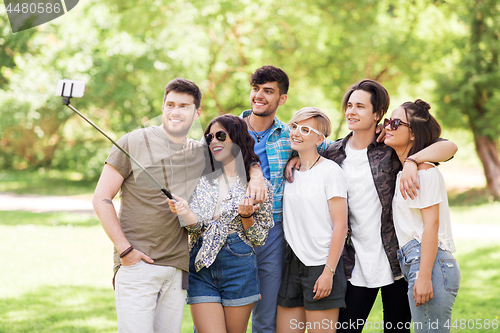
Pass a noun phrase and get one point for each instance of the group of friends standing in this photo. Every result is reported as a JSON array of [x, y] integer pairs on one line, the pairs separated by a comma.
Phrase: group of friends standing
[[284, 224]]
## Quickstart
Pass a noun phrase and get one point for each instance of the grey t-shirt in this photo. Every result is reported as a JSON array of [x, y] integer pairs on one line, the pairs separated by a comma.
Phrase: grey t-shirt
[[144, 215]]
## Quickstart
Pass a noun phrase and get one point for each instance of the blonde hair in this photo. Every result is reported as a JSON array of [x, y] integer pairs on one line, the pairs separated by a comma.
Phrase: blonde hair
[[322, 120]]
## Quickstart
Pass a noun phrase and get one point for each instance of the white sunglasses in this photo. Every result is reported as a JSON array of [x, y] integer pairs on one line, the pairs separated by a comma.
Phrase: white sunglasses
[[304, 130]]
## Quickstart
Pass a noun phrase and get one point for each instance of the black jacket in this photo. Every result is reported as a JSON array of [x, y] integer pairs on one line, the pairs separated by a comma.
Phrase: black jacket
[[384, 164]]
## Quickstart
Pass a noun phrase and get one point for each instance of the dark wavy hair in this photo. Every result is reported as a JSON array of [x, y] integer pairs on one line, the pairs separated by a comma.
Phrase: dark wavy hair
[[237, 130], [424, 126], [271, 74], [379, 98], [184, 86]]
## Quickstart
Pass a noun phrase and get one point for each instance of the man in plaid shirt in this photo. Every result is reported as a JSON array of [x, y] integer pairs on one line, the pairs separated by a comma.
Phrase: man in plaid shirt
[[272, 145]]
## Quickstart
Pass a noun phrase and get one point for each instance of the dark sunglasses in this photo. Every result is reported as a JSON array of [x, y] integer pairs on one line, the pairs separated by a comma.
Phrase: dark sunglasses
[[221, 136], [395, 123]]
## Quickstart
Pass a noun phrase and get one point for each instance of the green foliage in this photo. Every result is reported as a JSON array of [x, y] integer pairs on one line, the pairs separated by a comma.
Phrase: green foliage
[[11, 46], [126, 51], [469, 85]]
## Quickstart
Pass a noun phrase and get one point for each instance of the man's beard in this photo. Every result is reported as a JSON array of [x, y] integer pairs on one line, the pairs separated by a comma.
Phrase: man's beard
[[269, 112], [178, 132]]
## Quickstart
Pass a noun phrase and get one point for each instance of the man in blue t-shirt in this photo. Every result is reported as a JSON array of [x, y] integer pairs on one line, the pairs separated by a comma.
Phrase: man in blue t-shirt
[[272, 145]]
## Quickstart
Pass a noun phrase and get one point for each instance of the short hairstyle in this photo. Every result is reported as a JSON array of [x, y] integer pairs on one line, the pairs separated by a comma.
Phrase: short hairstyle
[[324, 124], [237, 130], [424, 126], [271, 74], [379, 99], [183, 86]]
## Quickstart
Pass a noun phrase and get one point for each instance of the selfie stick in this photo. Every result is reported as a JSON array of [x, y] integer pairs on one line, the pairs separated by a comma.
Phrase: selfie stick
[[65, 101]]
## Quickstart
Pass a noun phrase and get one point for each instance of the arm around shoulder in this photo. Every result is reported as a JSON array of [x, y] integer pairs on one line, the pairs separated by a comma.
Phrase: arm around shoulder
[[440, 151], [257, 186], [263, 220]]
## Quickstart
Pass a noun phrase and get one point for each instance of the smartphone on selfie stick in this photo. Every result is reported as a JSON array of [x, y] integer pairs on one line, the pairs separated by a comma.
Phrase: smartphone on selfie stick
[[68, 89]]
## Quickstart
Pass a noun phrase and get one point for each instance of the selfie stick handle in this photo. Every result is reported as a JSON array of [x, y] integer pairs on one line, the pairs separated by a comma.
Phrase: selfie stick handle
[[67, 103]]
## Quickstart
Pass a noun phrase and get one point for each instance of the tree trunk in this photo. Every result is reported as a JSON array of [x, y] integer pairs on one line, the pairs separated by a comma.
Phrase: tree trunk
[[339, 129], [487, 150]]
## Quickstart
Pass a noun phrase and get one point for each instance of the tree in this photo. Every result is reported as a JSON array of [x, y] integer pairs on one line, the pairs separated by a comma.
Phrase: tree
[[469, 89], [127, 50]]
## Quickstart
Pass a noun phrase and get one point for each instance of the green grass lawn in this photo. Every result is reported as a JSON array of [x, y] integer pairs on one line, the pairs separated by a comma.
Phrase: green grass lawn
[[479, 287], [57, 269], [46, 182]]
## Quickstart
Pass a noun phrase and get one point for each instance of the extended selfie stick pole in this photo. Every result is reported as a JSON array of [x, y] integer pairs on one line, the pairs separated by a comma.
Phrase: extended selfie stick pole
[[66, 102]]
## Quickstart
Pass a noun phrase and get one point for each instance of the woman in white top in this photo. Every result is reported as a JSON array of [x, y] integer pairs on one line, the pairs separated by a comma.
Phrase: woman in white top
[[315, 225], [423, 225]]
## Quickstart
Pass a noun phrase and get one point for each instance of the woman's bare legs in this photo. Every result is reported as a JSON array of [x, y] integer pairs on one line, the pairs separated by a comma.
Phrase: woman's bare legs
[[215, 318], [325, 320], [296, 320], [237, 318], [208, 317], [290, 320]]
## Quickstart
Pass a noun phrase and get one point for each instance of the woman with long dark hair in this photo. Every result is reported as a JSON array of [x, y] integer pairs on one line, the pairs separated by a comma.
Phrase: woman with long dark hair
[[224, 226], [423, 225]]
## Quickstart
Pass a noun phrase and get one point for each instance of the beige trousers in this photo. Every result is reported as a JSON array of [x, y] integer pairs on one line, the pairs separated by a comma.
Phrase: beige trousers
[[149, 298]]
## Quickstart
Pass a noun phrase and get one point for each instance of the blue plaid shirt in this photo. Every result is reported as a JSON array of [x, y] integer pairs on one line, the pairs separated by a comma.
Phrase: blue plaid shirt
[[278, 153]]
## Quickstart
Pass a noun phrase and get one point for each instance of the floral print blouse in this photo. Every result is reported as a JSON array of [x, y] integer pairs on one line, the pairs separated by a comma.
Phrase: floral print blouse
[[214, 232]]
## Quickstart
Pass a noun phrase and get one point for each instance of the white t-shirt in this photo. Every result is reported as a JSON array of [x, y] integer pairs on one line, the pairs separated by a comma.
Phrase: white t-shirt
[[407, 217], [306, 216], [371, 267]]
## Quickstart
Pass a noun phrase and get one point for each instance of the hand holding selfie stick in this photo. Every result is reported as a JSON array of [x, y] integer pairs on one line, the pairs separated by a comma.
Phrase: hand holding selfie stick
[[70, 88]]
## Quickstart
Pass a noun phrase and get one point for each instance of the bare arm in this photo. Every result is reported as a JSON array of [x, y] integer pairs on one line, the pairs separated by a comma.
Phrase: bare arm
[[256, 228], [180, 207], [108, 186], [338, 214], [422, 290], [246, 209], [257, 186], [293, 162], [437, 152]]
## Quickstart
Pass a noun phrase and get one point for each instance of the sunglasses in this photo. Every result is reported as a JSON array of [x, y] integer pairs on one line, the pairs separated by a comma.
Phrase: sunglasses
[[221, 136], [304, 130], [395, 123]]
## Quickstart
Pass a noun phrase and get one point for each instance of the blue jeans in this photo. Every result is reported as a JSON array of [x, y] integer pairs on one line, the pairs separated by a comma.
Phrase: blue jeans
[[270, 260], [231, 279], [434, 315]]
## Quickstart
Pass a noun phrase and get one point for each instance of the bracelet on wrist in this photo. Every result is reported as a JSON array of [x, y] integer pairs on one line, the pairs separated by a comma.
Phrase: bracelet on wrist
[[331, 270], [127, 251], [411, 160], [247, 217]]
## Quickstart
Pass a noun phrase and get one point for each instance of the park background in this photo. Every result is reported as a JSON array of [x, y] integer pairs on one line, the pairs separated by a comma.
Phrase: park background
[[56, 269]]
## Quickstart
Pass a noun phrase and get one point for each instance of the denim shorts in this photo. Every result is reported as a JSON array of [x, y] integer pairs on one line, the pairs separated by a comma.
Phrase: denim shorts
[[232, 278], [298, 282], [435, 314]]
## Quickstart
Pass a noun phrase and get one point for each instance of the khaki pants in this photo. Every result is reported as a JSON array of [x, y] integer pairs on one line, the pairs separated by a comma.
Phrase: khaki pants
[[149, 298]]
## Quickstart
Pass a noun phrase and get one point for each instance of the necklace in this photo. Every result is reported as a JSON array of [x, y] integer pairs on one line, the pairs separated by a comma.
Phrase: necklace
[[259, 137], [315, 162]]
